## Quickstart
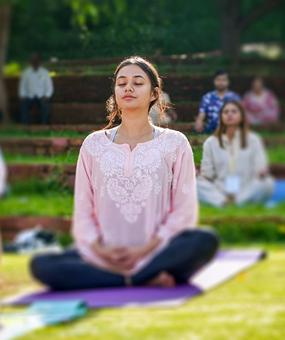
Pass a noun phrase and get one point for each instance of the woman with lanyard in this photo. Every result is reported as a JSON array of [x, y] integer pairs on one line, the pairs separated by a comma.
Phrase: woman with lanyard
[[136, 209], [234, 165]]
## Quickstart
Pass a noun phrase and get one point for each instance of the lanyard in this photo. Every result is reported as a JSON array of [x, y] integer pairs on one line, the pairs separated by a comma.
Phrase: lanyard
[[232, 151]]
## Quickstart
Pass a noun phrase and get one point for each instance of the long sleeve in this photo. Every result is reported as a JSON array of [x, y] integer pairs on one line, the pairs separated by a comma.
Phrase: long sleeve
[[203, 103], [22, 90], [48, 86], [207, 165], [3, 175], [259, 156], [183, 212], [84, 227], [273, 108]]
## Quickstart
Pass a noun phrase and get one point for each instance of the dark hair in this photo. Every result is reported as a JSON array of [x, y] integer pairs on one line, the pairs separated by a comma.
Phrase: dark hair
[[220, 73], [243, 124], [254, 78], [114, 113]]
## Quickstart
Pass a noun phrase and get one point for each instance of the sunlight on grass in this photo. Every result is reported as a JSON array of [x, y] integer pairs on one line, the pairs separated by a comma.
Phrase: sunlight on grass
[[250, 306]]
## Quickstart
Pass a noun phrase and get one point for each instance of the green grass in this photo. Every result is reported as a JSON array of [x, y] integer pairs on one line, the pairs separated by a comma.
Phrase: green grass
[[250, 306], [275, 155], [47, 204], [22, 133], [252, 222], [37, 197], [69, 157], [40, 197]]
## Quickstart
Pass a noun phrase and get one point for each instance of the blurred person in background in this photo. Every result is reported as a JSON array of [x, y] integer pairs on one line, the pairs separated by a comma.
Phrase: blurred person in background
[[3, 176], [35, 89], [234, 166], [169, 115], [211, 103], [261, 105]]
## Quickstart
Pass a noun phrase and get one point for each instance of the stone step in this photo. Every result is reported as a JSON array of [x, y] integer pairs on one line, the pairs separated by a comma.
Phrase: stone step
[[94, 113], [66, 173], [10, 226], [93, 91], [186, 127], [97, 89], [49, 146], [177, 59]]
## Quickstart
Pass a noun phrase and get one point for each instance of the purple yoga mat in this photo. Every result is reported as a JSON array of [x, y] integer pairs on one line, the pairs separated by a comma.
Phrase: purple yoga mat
[[114, 297]]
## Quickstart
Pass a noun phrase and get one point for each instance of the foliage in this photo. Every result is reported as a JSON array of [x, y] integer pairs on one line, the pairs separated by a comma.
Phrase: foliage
[[89, 28]]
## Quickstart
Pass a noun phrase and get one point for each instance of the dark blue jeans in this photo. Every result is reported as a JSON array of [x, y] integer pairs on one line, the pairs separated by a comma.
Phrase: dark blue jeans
[[183, 256], [41, 104]]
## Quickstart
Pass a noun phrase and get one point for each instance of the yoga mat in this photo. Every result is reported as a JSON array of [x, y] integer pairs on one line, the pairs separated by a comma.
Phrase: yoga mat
[[225, 265], [38, 315]]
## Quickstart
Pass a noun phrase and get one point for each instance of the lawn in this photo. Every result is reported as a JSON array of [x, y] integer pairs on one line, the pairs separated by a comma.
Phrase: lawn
[[46, 198], [252, 222], [250, 306], [276, 154]]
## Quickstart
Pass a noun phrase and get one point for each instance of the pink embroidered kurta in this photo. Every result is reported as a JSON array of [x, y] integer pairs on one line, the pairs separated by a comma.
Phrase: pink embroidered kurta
[[127, 197]]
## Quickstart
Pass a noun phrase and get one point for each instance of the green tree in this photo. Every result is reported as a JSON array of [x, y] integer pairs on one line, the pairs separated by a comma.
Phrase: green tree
[[237, 17]]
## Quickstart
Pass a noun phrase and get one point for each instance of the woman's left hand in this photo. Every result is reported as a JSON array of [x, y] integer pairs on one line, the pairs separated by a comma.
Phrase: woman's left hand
[[134, 254]]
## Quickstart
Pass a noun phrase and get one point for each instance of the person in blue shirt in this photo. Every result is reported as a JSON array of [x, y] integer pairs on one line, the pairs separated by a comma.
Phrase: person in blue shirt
[[211, 103]]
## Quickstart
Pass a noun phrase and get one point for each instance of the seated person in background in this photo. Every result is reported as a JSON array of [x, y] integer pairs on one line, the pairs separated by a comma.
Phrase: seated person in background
[[155, 112], [3, 176], [35, 88], [234, 164], [211, 103], [261, 105]]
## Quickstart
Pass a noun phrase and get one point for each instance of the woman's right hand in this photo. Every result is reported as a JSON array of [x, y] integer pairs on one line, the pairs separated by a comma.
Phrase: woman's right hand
[[115, 257]]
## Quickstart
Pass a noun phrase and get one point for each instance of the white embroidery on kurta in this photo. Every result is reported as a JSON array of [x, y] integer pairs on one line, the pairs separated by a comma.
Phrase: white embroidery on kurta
[[131, 190]]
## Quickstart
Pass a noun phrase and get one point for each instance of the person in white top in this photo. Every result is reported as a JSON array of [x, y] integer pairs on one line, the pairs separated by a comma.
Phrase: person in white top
[[35, 89], [234, 166], [169, 114], [3, 176]]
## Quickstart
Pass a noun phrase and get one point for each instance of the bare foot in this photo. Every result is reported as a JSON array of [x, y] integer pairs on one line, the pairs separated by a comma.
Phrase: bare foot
[[163, 279]]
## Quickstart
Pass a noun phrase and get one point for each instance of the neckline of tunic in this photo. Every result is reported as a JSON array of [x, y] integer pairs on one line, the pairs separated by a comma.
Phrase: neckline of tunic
[[127, 146]]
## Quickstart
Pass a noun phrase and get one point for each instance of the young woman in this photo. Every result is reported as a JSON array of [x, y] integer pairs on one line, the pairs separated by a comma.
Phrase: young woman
[[234, 166], [261, 105], [135, 199]]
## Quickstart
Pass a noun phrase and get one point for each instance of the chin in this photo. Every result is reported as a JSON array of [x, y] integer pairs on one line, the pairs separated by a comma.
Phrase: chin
[[130, 108]]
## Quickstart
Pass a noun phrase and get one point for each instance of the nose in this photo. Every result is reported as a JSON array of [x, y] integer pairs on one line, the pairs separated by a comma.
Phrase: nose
[[128, 87]]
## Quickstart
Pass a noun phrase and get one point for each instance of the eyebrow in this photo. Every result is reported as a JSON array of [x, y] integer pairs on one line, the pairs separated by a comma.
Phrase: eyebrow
[[136, 76]]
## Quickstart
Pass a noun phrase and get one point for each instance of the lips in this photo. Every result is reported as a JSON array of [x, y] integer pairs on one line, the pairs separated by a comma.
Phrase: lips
[[129, 97]]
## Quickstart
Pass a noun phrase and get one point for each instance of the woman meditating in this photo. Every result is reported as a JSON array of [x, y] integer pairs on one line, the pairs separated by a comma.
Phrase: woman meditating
[[234, 165], [136, 209]]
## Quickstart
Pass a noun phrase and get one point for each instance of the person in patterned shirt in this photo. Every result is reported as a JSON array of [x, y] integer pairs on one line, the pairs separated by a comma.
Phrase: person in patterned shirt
[[211, 103]]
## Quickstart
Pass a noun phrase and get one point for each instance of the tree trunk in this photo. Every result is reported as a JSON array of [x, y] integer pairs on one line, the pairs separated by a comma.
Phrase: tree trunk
[[230, 29], [233, 24], [5, 14]]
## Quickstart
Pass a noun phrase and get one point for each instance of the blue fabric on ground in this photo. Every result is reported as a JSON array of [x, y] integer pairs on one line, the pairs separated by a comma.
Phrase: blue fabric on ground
[[278, 194]]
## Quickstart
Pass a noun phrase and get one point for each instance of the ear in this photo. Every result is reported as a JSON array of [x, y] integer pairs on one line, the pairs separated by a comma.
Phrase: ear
[[154, 94]]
